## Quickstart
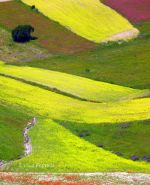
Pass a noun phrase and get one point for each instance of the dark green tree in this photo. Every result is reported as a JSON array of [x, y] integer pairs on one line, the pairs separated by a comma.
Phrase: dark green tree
[[22, 33]]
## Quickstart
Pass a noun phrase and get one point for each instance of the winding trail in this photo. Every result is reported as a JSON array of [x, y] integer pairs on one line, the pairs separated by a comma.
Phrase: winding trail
[[27, 140]]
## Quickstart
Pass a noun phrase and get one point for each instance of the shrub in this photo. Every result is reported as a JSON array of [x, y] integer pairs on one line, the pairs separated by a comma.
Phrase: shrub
[[33, 7], [22, 33]]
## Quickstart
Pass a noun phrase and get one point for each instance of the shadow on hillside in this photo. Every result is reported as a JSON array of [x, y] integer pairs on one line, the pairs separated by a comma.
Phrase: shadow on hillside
[[124, 139]]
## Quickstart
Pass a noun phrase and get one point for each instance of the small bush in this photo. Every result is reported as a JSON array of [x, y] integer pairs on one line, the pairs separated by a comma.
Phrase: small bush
[[33, 7], [22, 33]]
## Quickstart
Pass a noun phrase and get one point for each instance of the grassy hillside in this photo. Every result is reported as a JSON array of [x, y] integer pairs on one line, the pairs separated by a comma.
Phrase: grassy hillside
[[88, 18], [125, 64], [128, 138], [51, 35], [55, 148], [82, 122], [77, 87]]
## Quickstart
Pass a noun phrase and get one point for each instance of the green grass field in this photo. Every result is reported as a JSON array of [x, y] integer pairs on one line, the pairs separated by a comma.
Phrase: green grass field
[[97, 97], [91, 20], [61, 150]]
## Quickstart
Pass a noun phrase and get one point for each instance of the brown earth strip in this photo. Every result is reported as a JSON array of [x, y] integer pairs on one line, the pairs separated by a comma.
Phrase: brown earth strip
[[51, 35]]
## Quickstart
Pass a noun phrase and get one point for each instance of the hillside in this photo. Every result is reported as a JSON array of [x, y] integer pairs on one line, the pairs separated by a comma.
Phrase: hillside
[[75, 102], [57, 107], [91, 20]]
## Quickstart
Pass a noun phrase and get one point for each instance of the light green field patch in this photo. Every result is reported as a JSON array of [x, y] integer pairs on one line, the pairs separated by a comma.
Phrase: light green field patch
[[55, 149], [72, 85], [88, 18]]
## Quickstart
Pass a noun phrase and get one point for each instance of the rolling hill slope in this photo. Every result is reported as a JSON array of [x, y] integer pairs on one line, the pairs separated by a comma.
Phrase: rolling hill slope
[[88, 18], [57, 148], [82, 125]]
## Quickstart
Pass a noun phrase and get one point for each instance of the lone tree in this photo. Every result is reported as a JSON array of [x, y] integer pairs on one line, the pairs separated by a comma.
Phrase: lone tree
[[22, 33]]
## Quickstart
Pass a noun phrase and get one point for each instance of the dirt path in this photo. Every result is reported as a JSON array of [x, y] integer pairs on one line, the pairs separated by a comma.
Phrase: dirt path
[[27, 140]]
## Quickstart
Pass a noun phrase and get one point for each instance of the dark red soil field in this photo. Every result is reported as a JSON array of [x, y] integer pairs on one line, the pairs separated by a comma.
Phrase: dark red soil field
[[51, 35], [134, 10]]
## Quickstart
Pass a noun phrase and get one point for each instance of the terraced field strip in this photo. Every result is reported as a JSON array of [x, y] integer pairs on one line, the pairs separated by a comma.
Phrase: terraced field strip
[[134, 10], [71, 85], [88, 18], [50, 34]]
